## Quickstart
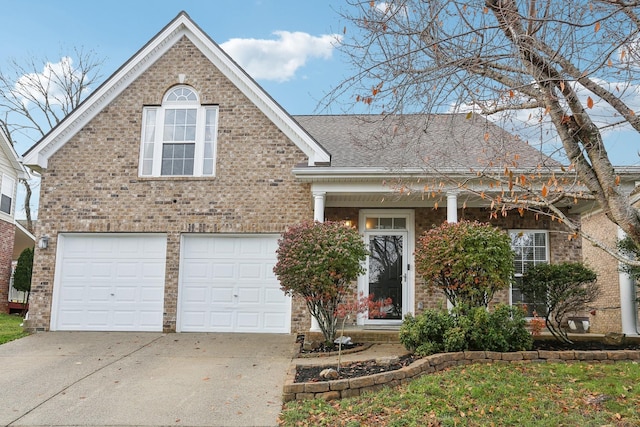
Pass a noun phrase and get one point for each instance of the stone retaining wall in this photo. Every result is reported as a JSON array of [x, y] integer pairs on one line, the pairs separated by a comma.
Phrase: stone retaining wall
[[338, 389]]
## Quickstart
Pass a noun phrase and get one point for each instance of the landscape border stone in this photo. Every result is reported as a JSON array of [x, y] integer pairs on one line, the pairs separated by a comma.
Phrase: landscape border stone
[[342, 388]]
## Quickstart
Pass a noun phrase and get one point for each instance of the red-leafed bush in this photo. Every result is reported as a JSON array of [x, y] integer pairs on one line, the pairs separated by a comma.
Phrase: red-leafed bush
[[468, 261], [318, 261]]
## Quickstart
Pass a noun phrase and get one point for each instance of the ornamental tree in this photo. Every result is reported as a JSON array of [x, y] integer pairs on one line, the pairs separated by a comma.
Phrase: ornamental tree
[[562, 73], [22, 275], [318, 261], [562, 288], [467, 261]]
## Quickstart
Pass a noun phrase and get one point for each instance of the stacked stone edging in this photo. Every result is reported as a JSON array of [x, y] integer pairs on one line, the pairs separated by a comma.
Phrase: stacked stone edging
[[338, 389]]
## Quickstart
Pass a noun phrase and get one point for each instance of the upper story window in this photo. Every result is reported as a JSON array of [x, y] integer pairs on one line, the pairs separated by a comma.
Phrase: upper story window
[[179, 137], [531, 248], [7, 189]]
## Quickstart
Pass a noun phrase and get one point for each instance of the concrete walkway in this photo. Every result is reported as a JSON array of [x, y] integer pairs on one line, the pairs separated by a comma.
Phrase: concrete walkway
[[143, 379]]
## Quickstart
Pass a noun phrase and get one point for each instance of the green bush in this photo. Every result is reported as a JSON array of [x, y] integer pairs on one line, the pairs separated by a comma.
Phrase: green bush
[[429, 328], [503, 329], [435, 331], [563, 289]]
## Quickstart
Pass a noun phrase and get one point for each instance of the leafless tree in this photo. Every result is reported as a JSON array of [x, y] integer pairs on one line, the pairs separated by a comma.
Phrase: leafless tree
[[569, 65], [36, 94]]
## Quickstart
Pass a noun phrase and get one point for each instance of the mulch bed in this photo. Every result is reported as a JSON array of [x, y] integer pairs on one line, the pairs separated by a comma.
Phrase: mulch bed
[[553, 345], [352, 370], [370, 367]]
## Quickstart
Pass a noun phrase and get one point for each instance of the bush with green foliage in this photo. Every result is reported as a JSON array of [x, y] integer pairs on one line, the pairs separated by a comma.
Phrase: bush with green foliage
[[424, 333], [23, 272], [563, 289], [317, 262], [434, 331], [468, 261]]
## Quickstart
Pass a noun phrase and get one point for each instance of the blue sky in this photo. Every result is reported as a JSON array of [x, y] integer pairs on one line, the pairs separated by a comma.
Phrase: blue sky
[[298, 33]]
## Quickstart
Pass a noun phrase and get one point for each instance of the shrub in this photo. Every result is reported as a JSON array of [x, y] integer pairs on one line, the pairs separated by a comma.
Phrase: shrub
[[426, 329], [468, 261], [434, 331], [318, 261], [563, 289], [503, 329], [22, 275]]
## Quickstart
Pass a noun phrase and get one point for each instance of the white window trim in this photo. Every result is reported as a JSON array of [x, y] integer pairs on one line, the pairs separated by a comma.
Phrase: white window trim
[[158, 140], [547, 253], [8, 188]]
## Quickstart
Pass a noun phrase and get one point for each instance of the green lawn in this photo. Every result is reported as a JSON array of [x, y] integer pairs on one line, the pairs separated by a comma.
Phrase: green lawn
[[10, 328], [533, 394]]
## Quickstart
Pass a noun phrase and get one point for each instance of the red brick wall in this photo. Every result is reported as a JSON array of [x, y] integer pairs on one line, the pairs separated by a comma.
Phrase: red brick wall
[[7, 236]]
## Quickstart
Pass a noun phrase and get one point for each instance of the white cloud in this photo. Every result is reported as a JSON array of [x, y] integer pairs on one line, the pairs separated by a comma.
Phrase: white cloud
[[279, 59], [34, 87], [535, 127]]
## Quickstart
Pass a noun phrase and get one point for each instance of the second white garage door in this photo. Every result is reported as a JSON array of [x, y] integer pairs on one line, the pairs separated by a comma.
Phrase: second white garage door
[[227, 285]]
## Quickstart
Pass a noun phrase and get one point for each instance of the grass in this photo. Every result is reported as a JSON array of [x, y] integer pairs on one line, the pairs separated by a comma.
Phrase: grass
[[10, 328], [526, 394]]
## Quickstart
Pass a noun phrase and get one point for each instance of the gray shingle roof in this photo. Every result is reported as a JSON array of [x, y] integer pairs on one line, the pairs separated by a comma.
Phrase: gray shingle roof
[[419, 141]]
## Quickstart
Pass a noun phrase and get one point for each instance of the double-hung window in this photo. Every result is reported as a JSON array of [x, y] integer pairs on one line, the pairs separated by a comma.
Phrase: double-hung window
[[7, 190], [179, 137], [531, 248]]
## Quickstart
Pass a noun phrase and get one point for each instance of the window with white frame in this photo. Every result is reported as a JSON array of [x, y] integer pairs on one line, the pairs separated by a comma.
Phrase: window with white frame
[[7, 188], [179, 137], [530, 248]]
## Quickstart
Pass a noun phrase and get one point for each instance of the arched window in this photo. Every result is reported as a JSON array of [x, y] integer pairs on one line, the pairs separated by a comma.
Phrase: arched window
[[179, 137]]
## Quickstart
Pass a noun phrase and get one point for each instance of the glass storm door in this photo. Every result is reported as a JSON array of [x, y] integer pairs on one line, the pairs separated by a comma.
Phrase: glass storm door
[[386, 273]]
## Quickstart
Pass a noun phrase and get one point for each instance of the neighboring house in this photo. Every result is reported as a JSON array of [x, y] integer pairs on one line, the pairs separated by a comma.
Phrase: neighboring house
[[11, 171], [164, 193]]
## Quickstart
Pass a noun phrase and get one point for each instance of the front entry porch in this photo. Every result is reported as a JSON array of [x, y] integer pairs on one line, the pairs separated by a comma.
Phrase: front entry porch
[[362, 334]]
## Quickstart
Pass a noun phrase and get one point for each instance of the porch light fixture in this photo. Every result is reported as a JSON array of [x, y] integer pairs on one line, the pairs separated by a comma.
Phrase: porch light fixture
[[348, 223], [43, 243]]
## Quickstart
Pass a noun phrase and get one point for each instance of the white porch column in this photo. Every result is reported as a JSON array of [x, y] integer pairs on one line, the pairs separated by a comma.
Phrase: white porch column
[[318, 206], [627, 299], [318, 215], [452, 206], [452, 217]]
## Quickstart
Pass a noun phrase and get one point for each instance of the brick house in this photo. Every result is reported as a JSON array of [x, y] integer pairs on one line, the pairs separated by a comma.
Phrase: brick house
[[190, 171], [11, 171]]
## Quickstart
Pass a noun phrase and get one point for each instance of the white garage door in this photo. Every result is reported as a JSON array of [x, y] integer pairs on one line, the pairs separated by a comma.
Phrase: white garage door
[[109, 282], [227, 285]]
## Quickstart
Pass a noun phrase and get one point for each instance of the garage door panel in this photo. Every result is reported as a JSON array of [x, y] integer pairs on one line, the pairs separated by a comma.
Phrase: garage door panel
[[222, 295], [240, 283], [223, 271], [221, 321], [273, 296], [275, 321], [250, 271], [110, 282]]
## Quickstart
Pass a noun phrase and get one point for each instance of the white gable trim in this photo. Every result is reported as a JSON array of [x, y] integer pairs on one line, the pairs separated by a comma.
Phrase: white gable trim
[[182, 25], [10, 153]]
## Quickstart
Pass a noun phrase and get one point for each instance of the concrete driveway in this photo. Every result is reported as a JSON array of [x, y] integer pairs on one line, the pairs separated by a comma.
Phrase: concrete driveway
[[145, 379]]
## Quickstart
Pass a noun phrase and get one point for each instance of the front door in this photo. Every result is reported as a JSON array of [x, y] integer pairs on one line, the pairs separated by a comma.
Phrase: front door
[[386, 273]]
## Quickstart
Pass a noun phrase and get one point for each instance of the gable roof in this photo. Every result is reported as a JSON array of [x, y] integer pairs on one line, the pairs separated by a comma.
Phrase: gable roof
[[438, 141], [10, 154], [182, 26]]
